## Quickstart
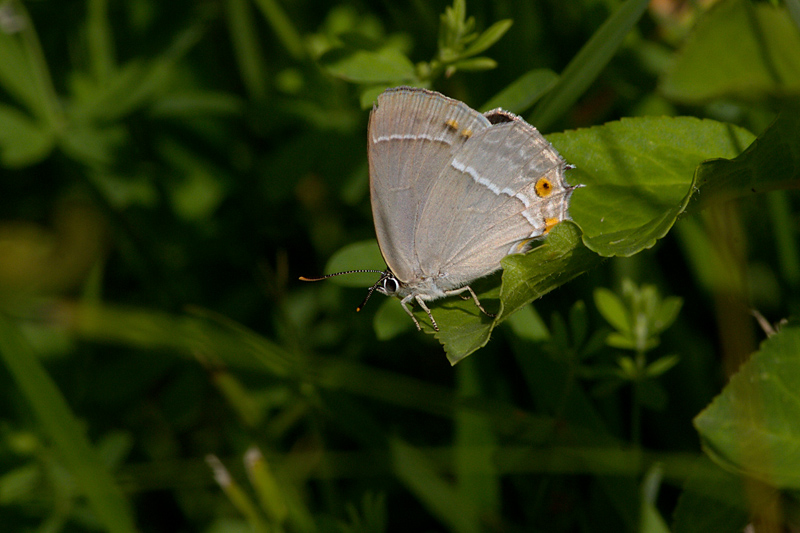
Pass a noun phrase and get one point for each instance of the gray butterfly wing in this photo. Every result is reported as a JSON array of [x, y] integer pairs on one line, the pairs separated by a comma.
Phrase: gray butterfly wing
[[413, 134], [486, 204]]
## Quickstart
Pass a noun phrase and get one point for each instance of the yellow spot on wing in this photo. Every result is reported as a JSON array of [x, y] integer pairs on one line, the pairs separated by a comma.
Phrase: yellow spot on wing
[[549, 223]]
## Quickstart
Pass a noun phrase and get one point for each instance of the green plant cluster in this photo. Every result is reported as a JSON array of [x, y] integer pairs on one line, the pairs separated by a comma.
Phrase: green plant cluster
[[169, 169]]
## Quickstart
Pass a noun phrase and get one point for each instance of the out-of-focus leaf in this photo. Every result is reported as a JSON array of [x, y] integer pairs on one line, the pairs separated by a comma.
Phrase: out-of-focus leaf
[[491, 35], [739, 49], [23, 142], [523, 92], [361, 66], [771, 162], [587, 64], [61, 426], [751, 427]]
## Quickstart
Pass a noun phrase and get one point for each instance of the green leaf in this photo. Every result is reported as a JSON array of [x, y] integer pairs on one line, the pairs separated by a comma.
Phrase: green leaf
[[618, 340], [363, 66], [523, 92], [23, 142], [91, 143], [661, 365], [130, 87], [492, 34], [666, 315], [559, 259], [588, 63], [474, 64], [751, 427], [638, 176], [283, 27], [612, 308], [249, 56], [738, 49], [17, 76], [627, 368], [528, 325], [771, 162]]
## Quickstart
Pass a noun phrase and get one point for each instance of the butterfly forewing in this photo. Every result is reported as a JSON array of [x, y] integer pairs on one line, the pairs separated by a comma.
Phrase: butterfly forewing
[[413, 135]]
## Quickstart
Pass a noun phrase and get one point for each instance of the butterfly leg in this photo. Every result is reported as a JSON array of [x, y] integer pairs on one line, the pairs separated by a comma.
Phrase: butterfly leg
[[404, 303], [474, 299], [421, 303]]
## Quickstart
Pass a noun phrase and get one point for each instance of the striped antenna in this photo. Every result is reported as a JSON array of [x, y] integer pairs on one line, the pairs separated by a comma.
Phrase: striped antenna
[[384, 274]]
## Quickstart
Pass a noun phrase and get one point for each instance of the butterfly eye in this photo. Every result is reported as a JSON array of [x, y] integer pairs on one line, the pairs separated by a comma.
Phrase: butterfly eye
[[390, 286]]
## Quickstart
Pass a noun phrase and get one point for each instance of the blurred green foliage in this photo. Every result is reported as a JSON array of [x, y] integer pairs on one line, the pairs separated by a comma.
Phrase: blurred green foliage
[[169, 169]]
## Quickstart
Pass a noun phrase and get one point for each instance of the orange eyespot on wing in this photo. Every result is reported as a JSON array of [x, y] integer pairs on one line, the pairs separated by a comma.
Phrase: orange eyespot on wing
[[544, 187]]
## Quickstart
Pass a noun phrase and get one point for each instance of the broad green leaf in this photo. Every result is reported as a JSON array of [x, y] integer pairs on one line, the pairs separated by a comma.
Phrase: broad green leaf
[[523, 92], [492, 34], [560, 258], [638, 175], [62, 427], [363, 66], [771, 162], [23, 142], [751, 427], [738, 49]]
